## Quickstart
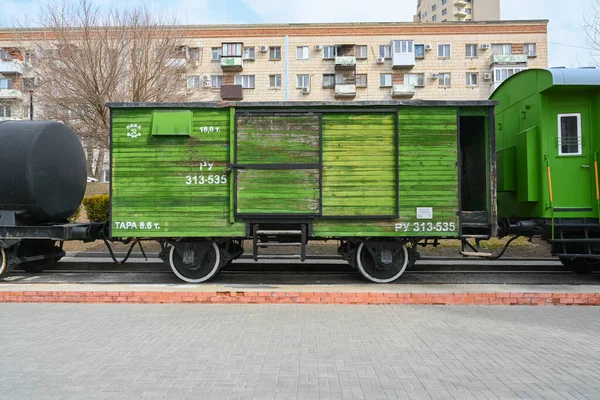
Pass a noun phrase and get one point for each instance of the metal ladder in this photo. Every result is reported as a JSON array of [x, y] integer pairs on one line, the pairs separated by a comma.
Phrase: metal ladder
[[264, 238]]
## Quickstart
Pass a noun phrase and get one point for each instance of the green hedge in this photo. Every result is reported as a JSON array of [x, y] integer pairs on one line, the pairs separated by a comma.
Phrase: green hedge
[[97, 207]]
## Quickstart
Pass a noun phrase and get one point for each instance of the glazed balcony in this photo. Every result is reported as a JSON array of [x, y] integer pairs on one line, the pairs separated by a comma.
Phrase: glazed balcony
[[403, 91], [234, 63], [345, 62], [11, 67], [460, 3], [509, 59], [345, 90], [11, 94]]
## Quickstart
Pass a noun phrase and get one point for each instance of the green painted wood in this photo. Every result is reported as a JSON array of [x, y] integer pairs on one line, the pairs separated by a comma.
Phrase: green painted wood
[[171, 186], [284, 140], [359, 165]]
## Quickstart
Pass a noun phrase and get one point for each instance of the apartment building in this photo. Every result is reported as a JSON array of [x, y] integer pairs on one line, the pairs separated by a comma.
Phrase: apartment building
[[331, 62], [457, 10]]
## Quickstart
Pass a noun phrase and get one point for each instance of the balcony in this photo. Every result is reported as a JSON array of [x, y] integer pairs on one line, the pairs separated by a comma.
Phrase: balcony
[[11, 94], [460, 13], [345, 62], [345, 90], [460, 3], [509, 59], [11, 67], [232, 63], [403, 91], [403, 60], [232, 92], [177, 63]]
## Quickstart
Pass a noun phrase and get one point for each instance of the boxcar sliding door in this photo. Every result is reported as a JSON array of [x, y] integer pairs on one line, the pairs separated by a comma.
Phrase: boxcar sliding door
[[278, 165]]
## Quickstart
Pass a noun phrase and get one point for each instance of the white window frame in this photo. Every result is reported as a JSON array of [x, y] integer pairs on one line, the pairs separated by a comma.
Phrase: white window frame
[[528, 47], [302, 81], [273, 79], [358, 52], [216, 53], [216, 81], [247, 81], [232, 50], [328, 81], [356, 77], [275, 50], [387, 51], [384, 82], [415, 79], [469, 79], [441, 79], [249, 53], [329, 52], [6, 109], [194, 82], [302, 53], [442, 46], [472, 47], [9, 83], [579, 138], [506, 49]]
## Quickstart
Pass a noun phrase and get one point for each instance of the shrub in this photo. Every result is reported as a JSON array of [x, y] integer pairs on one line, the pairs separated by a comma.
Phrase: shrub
[[76, 214], [97, 207]]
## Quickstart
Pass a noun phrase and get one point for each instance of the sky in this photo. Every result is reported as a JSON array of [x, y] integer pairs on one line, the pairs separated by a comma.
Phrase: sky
[[567, 40]]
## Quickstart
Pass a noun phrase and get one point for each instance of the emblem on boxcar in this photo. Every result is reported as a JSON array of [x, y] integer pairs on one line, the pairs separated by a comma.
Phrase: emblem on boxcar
[[134, 130]]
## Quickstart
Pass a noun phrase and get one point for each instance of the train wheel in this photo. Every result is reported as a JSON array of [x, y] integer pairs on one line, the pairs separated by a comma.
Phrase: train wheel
[[3, 263], [205, 264], [382, 266], [37, 247], [579, 265]]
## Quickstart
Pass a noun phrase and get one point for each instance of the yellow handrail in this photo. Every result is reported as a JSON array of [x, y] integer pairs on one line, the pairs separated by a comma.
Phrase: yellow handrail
[[597, 185], [550, 192]]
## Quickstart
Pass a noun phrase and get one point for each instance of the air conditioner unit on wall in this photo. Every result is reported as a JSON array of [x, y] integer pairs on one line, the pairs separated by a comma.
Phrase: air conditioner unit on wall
[[207, 84], [264, 49], [435, 75], [206, 77], [380, 60], [318, 47], [428, 47], [487, 76], [485, 46], [305, 90], [200, 44]]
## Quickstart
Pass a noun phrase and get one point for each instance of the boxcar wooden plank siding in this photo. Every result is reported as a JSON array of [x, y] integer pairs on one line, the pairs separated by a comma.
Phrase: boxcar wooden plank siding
[[179, 186], [169, 186]]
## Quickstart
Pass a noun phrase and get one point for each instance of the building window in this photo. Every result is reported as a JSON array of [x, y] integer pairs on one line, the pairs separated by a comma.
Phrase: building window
[[328, 52], [443, 12], [417, 80], [216, 81], [504, 49], [443, 2], [502, 74], [472, 78], [468, 11], [433, 18], [302, 53], [194, 53], [569, 134], [5, 111], [385, 51], [444, 50], [328, 80], [302, 81], [232, 50], [433, 7], [216, 53], [419, 51], [403, 46], [471, 50], [275, 81], [194, 81], [424, 15], [6, 55], [6, 83], [247, 81], [530, 49], [444, 79], [385, 80], [361, 52], [275, 53], [361, 80], [249, 53]]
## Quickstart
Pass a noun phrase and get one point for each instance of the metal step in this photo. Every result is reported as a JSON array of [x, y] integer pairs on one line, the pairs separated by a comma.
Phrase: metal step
[[476, 254], [275, 244], [267, 232], [281, 256]]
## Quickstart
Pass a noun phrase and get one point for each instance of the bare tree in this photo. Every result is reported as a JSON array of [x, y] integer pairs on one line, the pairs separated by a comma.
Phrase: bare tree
[[87, 55], [591, 21]]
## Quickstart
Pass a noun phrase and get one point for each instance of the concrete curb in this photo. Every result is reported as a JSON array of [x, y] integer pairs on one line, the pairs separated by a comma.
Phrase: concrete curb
[[283, 297]]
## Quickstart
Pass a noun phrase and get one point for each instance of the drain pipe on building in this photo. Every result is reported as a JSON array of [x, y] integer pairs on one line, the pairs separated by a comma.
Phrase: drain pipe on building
[[287, 68]]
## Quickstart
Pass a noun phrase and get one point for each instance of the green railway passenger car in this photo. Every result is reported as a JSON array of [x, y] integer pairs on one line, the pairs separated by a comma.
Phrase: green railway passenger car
[[548, 144], [380, 177]]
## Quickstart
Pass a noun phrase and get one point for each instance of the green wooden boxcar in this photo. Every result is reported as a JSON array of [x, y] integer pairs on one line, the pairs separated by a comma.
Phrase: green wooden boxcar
[[381, 177], [548, 144]]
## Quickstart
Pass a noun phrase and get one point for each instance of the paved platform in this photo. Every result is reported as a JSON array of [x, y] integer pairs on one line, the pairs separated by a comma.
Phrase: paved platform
[[73, 351], [363, 293]]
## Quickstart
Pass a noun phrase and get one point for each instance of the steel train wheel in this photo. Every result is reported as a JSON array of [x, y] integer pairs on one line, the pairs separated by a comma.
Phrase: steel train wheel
[[378, 272], [201, 270], [3, 263], [579, 265]]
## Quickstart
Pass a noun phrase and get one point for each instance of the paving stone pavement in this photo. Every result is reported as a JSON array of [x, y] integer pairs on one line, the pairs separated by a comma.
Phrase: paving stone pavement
[[76, 351]]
